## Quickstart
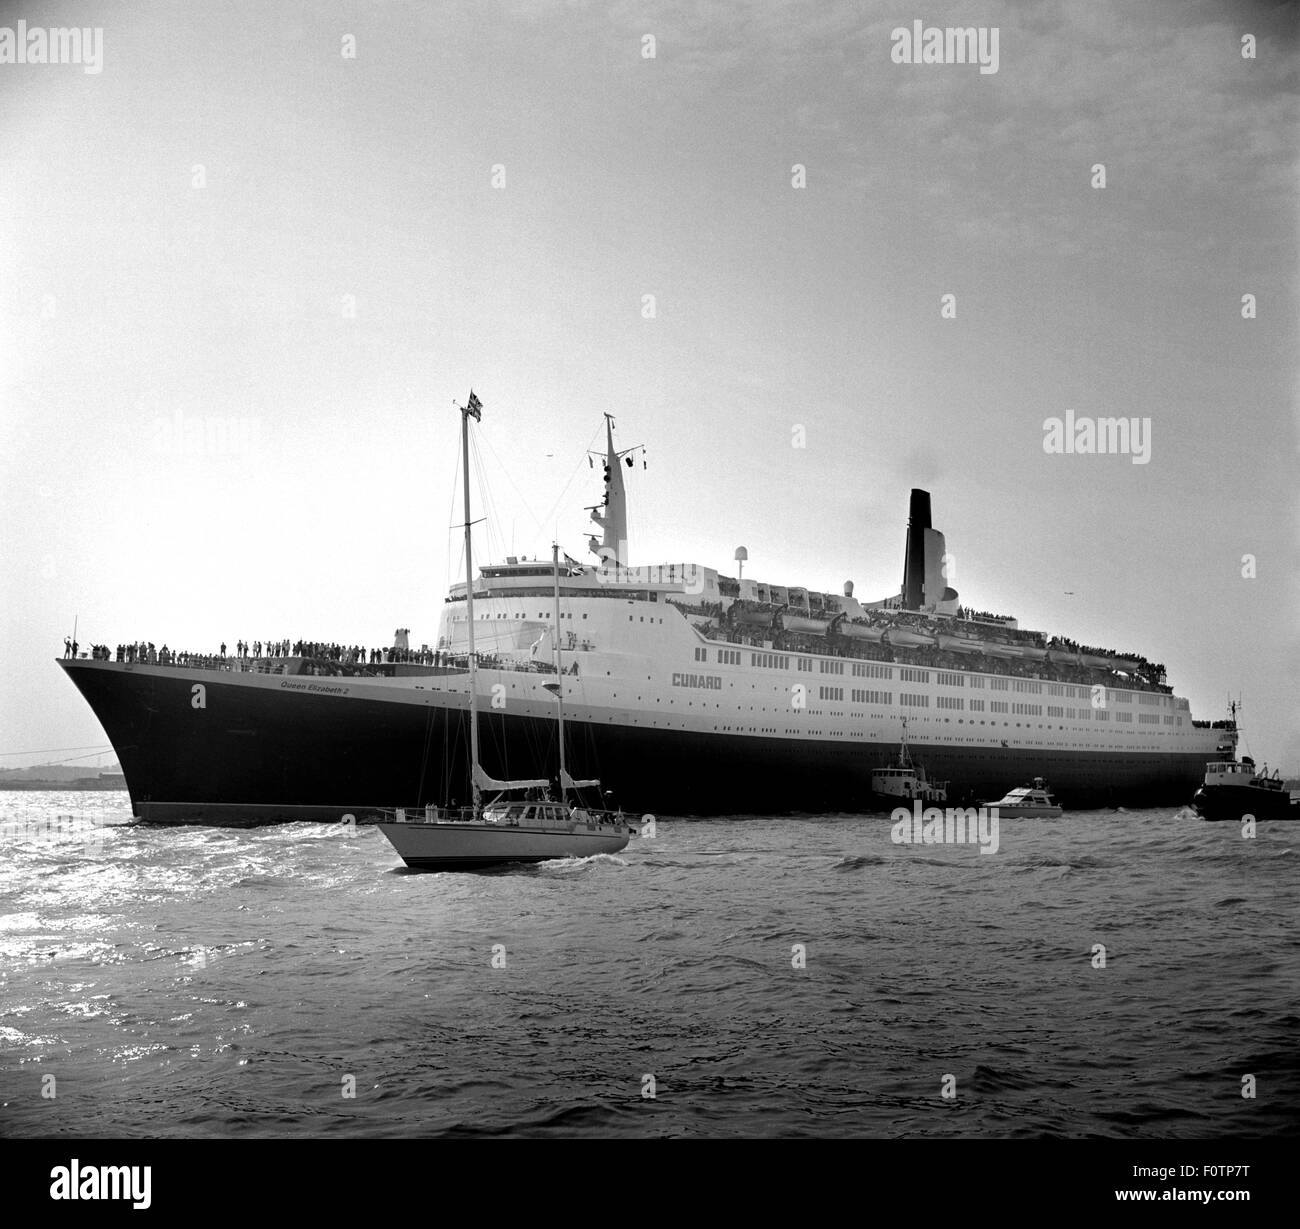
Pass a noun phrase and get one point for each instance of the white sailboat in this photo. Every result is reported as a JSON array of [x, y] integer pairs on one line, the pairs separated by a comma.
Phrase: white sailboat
[[519, 821]]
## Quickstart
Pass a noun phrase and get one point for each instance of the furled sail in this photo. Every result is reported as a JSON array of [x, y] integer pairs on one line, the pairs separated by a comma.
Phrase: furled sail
[[569, 783], [483, 781]]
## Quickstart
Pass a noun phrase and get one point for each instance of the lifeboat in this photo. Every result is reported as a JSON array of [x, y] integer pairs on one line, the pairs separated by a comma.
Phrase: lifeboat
[[860, 631], [1033, 652], [1101, 661], [960, 644], [997, 648], [751, 617], [909, 638], [802, 623]]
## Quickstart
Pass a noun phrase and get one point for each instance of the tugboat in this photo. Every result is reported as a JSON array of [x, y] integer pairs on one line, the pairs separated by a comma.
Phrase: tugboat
[[906, 780], [1233, 789], [1028, 801], [531, 827]]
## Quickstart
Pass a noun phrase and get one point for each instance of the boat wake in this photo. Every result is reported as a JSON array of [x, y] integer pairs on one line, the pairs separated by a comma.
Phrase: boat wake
[[563, 866]]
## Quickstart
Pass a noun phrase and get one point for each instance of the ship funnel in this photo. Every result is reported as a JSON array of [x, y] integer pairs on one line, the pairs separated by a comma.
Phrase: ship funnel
[[918, 521], [925, 565]]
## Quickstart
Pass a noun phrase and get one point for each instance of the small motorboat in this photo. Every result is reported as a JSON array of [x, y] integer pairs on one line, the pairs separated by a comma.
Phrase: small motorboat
[[1030, 801]]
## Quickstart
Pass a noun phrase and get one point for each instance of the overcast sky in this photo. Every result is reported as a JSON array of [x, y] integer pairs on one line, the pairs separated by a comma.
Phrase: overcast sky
[[244, 275]]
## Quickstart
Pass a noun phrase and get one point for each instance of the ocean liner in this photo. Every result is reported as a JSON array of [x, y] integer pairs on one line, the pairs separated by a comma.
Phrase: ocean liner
[[687, 692]]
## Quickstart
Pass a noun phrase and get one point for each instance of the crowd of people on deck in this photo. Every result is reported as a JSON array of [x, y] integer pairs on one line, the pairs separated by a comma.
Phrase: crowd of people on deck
[[318, 657], [1144, 676], [1151, 679], [964, 612]]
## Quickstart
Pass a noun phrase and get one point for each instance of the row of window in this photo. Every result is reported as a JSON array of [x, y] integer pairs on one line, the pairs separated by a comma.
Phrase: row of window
[[915, 701], [870, 670], [908, 674], [488, 616]]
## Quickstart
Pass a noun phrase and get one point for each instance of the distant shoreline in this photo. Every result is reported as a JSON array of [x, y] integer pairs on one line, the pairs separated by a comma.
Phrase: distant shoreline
[[83, 784]]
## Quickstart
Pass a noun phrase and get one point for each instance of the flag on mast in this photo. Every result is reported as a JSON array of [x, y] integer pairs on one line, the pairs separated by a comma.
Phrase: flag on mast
[[475, 405]]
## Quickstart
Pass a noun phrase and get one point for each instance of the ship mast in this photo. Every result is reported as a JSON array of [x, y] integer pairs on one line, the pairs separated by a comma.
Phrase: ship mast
[[473, 407], [611, 515], [559, 671]]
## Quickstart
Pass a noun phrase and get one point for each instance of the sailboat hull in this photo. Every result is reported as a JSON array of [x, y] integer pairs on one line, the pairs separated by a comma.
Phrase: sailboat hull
[[449, 846]]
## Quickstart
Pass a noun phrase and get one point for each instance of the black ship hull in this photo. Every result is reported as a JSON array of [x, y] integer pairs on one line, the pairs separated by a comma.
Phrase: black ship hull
[[261, 754]]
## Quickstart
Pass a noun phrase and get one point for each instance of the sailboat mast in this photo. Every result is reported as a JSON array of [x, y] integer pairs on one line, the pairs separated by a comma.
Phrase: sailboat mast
[[466, 411], [559, 668]]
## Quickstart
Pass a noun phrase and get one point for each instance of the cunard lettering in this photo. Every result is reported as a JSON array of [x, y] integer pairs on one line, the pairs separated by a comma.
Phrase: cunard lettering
[[711, 682]]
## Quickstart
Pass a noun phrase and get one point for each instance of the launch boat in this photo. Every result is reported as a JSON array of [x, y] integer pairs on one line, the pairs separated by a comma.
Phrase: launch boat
[[688, 692], [1029, 802], [530, 828]]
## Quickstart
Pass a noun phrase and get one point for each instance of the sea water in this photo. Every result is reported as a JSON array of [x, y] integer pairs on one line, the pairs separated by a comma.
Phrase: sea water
[[1123, 974]]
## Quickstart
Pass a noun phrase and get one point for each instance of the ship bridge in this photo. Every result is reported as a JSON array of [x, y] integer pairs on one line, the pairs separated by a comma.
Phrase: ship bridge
[[689, 583]]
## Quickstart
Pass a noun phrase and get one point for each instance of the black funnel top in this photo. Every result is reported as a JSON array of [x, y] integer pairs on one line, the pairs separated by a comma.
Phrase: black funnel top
[[918, 521]]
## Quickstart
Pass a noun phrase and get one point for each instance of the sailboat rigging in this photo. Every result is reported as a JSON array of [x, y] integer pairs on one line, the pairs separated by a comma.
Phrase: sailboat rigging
[[532, 827]]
